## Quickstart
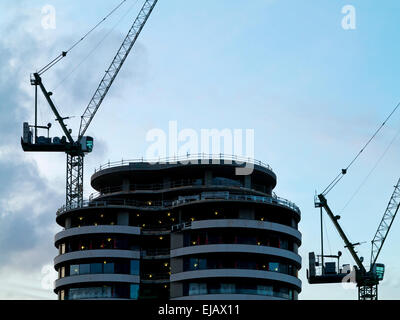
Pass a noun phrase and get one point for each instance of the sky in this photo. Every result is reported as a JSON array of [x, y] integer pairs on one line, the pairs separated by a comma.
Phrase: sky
[[312, 91]]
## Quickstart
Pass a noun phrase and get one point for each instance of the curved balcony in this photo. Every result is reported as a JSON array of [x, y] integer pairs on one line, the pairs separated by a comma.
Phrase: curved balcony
[[242, 224], [236, 248], [236, 273], [201, 158], [97, 253], [96, 278], [183, 200], [194, 184], [115, 229]]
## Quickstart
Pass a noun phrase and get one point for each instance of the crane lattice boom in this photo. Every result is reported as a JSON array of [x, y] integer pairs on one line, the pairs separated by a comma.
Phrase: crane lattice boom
[[386, 223], [115, 66]]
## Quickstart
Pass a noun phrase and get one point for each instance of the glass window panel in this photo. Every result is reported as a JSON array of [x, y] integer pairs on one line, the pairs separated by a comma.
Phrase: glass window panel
[[89, 293], [134, 267], [193, 289], [283, 268], [213, 288], [84, 269], [108, 267], [203, 263], [96, 268], [273, 266], [264, 290], [228, 288], [284, 244], [284, 293], [194, 263], [74, 270], [134, 291], [203, 288]]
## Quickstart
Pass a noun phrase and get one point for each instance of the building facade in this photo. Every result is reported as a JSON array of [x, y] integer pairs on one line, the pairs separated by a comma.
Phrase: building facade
[[179, 231]]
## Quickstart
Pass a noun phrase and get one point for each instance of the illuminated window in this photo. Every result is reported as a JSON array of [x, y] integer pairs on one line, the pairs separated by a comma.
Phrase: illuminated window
[[74, 270], [273, 266]]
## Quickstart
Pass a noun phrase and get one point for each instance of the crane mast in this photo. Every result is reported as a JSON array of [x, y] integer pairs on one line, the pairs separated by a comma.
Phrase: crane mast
[[74, 192], [76, 150]]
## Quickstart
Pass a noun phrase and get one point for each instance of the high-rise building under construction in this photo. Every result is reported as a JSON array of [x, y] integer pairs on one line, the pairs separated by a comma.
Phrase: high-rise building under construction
[[179, 231]]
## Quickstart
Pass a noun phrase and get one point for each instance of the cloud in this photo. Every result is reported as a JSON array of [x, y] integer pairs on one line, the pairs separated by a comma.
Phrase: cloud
[[32, 188]]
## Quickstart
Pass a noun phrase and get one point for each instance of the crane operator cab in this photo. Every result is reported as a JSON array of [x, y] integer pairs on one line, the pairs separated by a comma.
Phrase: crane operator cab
[[378, 270], [56, 144], [323, 271]]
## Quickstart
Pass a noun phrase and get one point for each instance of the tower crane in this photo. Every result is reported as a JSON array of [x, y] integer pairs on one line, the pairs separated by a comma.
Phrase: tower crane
[[76, 149], [367, 280]]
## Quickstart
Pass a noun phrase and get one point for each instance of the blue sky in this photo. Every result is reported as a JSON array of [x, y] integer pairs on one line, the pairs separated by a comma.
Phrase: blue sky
[[313, 92]]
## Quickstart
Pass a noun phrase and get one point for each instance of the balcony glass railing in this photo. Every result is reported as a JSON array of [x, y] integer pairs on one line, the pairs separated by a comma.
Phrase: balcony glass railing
[[166, 204], [193, 158]]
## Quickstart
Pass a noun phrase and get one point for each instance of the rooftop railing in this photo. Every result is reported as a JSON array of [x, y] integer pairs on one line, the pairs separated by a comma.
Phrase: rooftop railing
[[199, 158], [166, 204]]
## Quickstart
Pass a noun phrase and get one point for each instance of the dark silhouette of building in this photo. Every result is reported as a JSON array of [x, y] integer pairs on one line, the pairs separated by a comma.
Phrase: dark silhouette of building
[[180, 231]]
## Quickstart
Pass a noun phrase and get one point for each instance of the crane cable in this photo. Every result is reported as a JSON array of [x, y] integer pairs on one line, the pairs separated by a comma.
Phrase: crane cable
[[96, 46], [372, 170], [344, 171], [64, 53]]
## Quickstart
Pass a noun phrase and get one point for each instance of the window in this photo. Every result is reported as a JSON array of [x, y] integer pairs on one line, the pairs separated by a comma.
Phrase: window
[[228, 288], [134, 267], [284, 244], [264, 290], [284, 268], [74, 270], [203, 263], [96, 268], [84, 269], [194, 288], [284, 293], [203, 288], [194, 264], [90, 293], [273, 266], [108, 267], [134, 290]]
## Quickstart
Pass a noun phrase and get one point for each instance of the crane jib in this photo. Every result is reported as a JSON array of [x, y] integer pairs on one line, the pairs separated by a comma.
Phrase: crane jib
[[115, 66]]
